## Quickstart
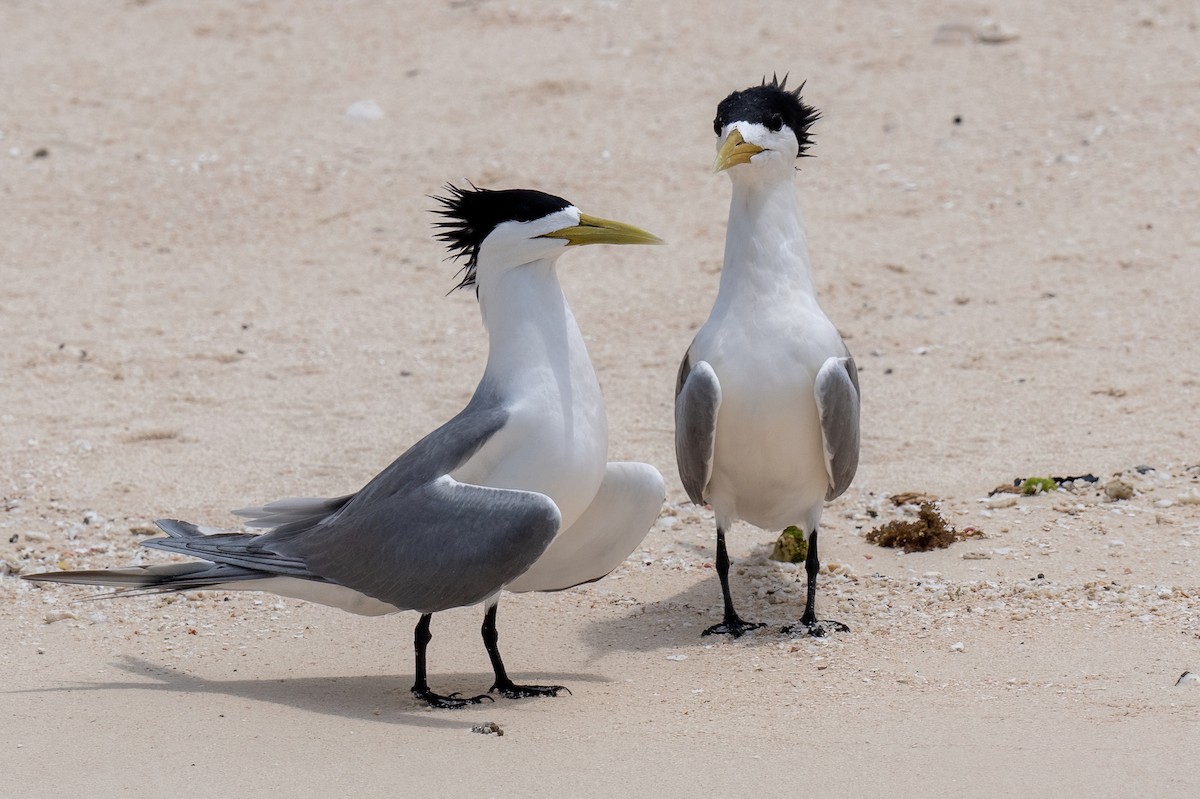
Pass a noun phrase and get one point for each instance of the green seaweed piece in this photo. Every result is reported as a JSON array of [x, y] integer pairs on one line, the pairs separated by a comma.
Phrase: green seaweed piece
[[791, 546], [1038, 485]]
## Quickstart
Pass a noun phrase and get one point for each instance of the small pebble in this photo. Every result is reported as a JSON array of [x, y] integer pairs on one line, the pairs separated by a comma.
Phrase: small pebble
[[957, 646], [676, 657], [1117, 489], [59, 615], [989, 31], [1192, 497], [1187, 678], [364, 111]]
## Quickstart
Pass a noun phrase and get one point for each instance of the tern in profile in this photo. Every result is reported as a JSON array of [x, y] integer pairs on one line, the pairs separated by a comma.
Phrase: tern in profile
[[514, 492]]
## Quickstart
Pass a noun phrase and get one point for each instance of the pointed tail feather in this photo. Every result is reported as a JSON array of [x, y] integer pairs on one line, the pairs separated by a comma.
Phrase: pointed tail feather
[[239, 550], [303, 511], [227, 559], [155, 579]]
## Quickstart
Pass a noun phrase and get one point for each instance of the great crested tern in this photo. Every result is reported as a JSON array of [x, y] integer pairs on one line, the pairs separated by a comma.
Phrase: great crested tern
[[514, 492], [767, 399]]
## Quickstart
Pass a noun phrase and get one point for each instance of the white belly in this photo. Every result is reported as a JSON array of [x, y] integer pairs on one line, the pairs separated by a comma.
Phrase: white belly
[[768, 462], [768, 459]]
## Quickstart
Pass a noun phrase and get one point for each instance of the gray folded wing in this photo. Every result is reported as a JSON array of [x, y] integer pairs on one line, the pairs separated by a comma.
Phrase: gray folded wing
[[413, 537], [837, 395], [697, 400], [442, 544]]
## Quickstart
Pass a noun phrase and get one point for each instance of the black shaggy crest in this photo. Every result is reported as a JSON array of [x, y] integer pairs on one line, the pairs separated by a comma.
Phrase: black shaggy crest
[[472, 214], [772, 105]]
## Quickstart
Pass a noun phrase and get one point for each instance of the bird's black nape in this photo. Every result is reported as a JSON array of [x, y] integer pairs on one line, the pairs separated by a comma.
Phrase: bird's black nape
[[471, 214], [772, 105]]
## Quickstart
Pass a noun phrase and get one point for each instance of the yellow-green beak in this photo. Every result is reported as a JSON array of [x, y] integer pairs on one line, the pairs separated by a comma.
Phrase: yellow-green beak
[[734, 151], [594, 230]]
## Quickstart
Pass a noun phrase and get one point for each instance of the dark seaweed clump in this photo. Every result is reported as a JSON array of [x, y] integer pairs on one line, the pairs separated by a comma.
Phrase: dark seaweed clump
[[928, 531]]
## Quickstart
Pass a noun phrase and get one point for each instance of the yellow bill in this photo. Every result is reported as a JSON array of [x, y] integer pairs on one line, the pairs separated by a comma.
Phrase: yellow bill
[[594, 230], [734, 151]]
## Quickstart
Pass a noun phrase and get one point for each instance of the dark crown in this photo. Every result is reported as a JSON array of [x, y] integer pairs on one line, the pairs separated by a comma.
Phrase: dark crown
[[472, 214], [771, 105]]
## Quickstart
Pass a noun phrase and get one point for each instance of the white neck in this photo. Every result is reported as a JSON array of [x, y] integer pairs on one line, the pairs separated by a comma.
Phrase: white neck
[[766, 247], [555, 440], [534, 339]]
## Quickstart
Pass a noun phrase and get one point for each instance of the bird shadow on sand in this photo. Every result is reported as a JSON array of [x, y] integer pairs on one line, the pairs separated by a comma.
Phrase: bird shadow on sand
[[378, 698], [678, 622]]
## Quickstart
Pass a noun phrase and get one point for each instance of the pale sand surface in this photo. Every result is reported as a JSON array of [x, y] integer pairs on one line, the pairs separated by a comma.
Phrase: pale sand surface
[[216, 290]]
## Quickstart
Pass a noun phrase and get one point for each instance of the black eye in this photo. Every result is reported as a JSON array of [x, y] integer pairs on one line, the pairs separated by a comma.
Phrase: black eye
[[717, 126], [775, 123]]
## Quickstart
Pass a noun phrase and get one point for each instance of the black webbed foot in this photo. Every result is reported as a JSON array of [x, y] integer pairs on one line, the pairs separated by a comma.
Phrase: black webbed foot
[[513, 691], [733, 625], [452, 702], [809, 624]]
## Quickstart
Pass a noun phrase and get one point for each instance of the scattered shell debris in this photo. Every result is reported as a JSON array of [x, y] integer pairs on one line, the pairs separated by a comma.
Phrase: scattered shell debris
[[1038, 485], [1070, 534], [488, 728]]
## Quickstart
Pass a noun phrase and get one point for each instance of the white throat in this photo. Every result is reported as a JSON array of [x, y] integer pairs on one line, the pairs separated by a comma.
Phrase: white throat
[[530, 328], [556, 438], [766, 246]]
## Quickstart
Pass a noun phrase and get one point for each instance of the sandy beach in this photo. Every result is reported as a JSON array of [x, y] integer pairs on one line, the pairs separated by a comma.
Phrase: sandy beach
[[219, 286]]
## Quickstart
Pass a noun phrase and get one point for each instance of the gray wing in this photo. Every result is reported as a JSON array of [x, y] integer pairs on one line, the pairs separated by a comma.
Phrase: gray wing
[[412, 537], [439, 453], [697, 400], [429, 547], [836, 391], [439, 545]]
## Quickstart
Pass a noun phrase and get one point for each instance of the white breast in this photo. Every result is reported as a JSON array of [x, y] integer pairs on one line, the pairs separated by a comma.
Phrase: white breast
[[556, 439]]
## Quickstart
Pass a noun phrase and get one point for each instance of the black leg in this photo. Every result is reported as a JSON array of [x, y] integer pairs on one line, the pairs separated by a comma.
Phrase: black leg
[[819, 629], [420, 689], [503, 684], [733, 624]]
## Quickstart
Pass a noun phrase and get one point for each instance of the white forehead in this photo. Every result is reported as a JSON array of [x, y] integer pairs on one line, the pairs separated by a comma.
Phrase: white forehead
[[518, 231]]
